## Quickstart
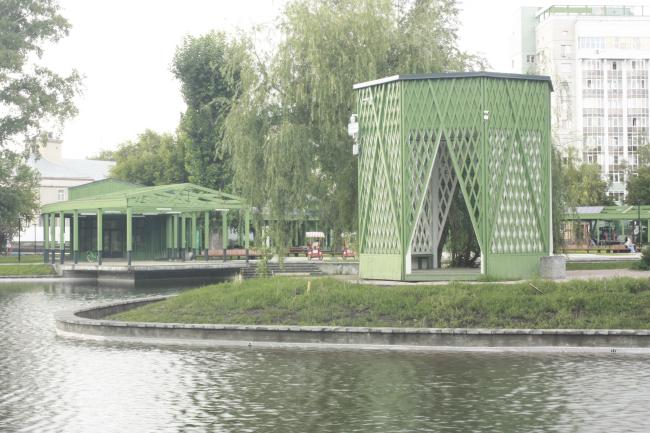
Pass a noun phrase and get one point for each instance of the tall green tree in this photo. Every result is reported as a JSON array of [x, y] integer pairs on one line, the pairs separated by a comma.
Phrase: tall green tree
[[200, 64], [582, 183], [33, 98], [18, 195], [287, 131], [153, 159]]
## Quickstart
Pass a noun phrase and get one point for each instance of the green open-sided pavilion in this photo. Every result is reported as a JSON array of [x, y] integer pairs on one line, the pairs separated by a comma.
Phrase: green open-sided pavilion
[[613, 220], [117, 219], [422, 136]]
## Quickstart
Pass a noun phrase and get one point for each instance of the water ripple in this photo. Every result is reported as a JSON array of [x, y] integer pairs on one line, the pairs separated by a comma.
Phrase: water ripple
[[49, 383]]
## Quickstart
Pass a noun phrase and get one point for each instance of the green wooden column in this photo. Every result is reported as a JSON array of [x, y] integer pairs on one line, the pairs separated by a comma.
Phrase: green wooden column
[[100, 236], [598, 230], [247, 234], [175, 235], [53, 235], [168, 240], [129, 235], [62, 236], [194, 239], [183, 237], [75, 247], [224, 233], [46, 238], [206, 233]]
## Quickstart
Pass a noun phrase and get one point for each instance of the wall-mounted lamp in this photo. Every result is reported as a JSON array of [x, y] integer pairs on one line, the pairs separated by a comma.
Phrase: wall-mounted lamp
[[486, 116]]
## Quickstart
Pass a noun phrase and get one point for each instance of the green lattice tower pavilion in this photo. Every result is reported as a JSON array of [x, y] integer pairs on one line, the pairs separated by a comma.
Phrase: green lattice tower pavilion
[[423, 136]]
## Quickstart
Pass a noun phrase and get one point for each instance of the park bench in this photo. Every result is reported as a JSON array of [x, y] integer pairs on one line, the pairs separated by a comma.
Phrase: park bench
[[298, 250], [619, 248], [303, 250], [234, 252]]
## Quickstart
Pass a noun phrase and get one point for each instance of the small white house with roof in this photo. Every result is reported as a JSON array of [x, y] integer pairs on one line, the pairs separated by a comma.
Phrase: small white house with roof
[[57, 175]]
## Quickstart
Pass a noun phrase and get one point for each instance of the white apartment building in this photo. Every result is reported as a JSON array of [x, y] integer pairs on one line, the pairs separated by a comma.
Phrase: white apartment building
[[603, 53]]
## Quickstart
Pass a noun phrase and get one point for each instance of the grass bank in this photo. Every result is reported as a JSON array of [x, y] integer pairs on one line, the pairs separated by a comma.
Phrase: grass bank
[[333, 302], [628, 264], [32, 258], [42, 269]]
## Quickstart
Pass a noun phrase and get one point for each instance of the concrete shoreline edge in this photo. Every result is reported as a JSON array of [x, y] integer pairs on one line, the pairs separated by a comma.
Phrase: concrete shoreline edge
[[88, 323]]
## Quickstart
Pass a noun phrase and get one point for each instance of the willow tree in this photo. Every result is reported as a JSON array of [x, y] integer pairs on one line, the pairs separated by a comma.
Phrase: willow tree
[[287, 133]]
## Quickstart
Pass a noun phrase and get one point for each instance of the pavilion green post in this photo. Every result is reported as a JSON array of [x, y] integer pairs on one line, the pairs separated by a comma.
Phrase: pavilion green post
[[183, 236], [62, 235], [175, 235], [224, 233], [75, 247], [193, 236], [53, 234], [598, 230], [168, 222], [46, 238], [100, 236], [247, 235], [129, 235], [206, 233]]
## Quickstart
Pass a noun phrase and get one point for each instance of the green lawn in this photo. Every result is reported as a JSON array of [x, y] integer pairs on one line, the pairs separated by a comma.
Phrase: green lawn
[[33, 258], [41, 269], [628, 264], [333, 302]]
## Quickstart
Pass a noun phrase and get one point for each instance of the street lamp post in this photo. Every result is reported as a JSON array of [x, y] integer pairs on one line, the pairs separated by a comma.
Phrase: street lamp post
[[19, 229]]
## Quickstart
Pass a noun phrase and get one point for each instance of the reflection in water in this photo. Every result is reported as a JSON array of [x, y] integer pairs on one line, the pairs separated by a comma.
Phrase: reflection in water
[[48, 383]]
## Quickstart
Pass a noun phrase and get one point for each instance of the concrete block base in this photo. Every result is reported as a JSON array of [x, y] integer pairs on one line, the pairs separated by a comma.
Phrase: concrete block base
[[553, 267]]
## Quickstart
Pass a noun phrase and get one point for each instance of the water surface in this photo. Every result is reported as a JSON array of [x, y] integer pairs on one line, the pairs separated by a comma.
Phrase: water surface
[[50, 383]]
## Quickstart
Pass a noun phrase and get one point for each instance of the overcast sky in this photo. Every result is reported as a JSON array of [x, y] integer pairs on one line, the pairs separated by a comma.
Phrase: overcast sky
[[124, 48]]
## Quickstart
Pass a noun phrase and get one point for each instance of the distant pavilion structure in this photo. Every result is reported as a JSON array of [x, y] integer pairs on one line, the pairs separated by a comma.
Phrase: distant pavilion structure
[[117, 219], [423, 136], [610, 225]]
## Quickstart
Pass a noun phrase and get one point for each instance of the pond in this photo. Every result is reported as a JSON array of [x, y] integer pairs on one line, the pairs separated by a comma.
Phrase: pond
[[50, 383]]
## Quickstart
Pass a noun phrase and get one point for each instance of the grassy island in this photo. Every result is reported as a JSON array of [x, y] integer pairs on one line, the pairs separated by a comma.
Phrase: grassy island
[[624, 304]]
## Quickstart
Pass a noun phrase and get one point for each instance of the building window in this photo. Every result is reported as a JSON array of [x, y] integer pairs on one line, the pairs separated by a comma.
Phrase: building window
[[613, 66], [530, 59], [61, 195], [565, 33], [566, 67], [633, 64], [565, 50], [616, 177]]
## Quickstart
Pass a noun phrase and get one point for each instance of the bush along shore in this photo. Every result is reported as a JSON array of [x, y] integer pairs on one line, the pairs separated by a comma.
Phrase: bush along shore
[[618, 303], [25, 270]]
